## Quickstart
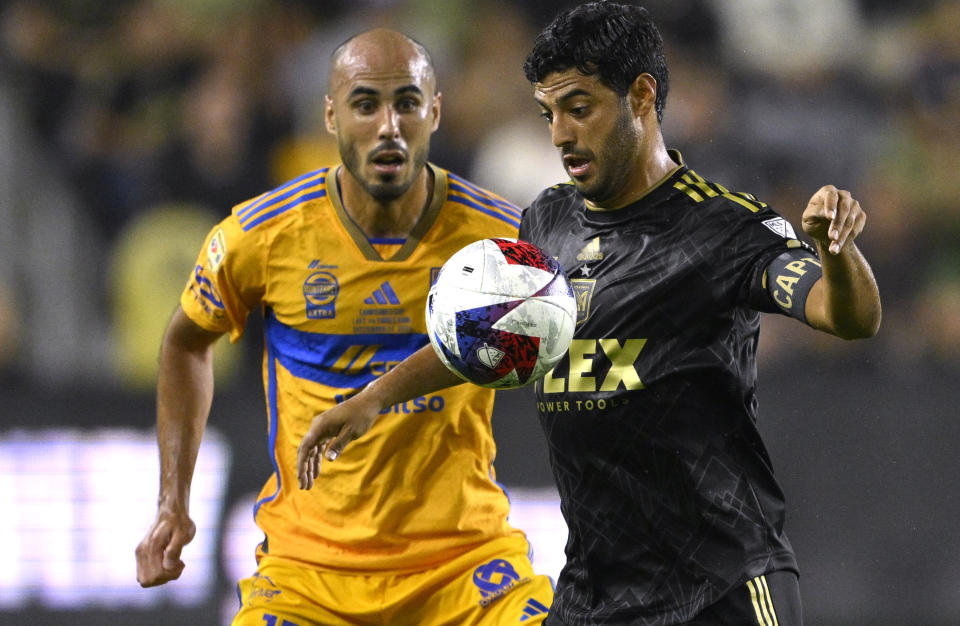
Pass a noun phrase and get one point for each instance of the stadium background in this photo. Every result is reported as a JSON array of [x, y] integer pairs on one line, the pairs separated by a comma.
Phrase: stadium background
[[129, 127]]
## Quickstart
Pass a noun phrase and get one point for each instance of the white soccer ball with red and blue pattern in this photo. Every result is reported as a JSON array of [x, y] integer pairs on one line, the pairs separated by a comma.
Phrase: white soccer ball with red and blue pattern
[[501, 313]]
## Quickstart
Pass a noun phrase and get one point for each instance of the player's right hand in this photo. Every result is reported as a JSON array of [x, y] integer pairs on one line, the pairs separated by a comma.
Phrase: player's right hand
[[330, 432], [158, 554]]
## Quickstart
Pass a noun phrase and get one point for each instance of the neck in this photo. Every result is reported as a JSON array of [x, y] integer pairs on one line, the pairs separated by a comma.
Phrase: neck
[[385, 218]]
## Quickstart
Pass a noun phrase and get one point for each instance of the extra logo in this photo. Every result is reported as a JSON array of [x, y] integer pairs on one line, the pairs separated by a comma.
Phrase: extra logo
[[495, 579], [320, 291]]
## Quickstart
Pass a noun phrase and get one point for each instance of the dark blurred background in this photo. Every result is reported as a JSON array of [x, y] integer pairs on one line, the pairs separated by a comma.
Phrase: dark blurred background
[[129, 127]]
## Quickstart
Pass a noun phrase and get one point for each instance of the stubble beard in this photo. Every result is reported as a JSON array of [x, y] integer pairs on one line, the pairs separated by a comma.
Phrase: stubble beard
[[614, 162], [387, 188]]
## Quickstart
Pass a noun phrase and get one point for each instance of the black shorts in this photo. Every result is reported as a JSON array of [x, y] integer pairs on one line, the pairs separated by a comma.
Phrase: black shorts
[[769, 600]]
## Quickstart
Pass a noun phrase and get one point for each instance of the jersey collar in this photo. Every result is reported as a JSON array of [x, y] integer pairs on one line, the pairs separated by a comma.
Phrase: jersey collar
[[419, 229]]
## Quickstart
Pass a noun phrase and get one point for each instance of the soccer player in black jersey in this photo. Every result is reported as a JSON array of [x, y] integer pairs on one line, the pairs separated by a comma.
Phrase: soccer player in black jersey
[[674, 513]]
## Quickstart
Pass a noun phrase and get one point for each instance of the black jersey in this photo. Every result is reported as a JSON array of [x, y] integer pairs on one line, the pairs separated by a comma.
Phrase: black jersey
[[665, 484]]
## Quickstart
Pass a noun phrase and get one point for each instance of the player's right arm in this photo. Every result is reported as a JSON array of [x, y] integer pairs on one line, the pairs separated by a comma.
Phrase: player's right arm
[[184, 396], [419, 374]]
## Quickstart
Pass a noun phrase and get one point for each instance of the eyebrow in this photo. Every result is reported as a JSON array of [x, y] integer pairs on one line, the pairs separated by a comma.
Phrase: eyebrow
[[573, 93], [399, 91]]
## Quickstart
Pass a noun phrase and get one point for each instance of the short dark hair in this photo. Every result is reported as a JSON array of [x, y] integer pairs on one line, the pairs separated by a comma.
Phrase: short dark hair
[[615, 42]]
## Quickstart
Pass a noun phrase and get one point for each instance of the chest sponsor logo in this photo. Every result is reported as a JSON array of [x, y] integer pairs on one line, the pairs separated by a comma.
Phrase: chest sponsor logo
[[583, 289], [495, 579], [581, 376], [320, 291]]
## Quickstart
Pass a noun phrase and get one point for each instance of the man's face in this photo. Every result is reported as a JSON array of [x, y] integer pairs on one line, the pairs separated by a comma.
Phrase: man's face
[[600, 145], [383, 109]]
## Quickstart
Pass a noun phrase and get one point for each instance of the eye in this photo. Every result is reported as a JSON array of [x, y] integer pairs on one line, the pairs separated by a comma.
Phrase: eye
[[579, 110], [407, 105], [365, 106], [547, 115]]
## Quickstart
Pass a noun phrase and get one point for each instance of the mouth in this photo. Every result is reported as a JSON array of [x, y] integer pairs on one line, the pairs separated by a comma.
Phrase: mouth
[[388, 161], [577, 166]]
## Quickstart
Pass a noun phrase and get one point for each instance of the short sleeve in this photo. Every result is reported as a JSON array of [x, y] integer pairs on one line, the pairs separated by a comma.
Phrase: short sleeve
[[227, 280]]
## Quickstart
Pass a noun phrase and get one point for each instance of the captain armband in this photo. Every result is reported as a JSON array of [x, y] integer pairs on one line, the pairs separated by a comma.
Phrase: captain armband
[[789, 278]]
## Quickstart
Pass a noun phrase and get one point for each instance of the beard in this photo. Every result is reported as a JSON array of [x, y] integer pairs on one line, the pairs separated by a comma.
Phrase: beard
[[619, 151], [385, 187]]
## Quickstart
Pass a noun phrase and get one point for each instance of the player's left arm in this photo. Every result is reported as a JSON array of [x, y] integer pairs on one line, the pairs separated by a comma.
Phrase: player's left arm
[[845, 300], [330, 432]]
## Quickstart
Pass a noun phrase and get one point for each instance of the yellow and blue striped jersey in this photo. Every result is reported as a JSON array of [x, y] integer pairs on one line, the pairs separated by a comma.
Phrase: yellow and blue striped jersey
[[340, 310]]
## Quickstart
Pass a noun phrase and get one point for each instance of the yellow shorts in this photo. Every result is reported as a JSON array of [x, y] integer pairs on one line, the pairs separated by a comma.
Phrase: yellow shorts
[[488, 586]]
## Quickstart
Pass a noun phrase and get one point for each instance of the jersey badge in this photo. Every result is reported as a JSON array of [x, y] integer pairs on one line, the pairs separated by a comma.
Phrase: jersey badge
[[216, 250], [320, 291], [583, 289], [781, 227]]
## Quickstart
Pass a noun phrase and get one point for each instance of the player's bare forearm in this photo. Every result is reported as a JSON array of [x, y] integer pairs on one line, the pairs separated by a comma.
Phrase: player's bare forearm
[[418, 375], [845, 301], [184, 395]]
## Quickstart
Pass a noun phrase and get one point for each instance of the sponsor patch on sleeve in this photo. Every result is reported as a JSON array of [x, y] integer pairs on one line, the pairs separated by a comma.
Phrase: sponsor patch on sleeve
[[216, 250]]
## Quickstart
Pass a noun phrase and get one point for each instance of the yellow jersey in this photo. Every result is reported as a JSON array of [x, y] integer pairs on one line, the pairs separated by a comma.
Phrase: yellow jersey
[[339, 310]]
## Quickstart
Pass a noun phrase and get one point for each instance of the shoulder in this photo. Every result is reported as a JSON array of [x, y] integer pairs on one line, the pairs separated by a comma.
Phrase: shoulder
[[478, 201], [737, 218], [554, 200], [558, 194], [266, 211], [715, 197]]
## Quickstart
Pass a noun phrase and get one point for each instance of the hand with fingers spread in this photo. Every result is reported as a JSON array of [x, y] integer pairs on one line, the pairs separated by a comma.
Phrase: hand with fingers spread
[[158, 554], [331, 431], [833, 218]]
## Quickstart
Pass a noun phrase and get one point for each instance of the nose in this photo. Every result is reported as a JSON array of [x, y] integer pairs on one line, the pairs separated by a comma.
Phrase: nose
[[390, 124], [561, 133]]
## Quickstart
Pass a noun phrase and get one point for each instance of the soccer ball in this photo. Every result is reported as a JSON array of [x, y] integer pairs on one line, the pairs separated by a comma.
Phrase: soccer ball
[[501, 313]]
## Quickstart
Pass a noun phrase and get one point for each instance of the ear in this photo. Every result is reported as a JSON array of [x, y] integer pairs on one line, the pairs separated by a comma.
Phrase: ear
[[329, 118], [435, 110], [643, 95]]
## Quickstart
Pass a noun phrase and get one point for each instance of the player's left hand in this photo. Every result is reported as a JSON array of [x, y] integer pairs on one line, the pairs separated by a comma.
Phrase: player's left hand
[[330, 432], [833, 218]]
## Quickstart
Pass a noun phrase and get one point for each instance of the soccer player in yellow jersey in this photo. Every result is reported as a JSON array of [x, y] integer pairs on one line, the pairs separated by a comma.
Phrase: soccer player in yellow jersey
[[340, 261]]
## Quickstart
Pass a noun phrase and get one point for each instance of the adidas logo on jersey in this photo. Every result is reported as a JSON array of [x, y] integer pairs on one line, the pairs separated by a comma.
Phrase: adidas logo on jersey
[[591, 251], [384, 295], [532, 609]]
